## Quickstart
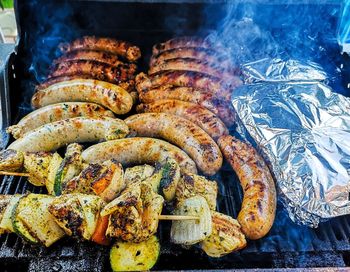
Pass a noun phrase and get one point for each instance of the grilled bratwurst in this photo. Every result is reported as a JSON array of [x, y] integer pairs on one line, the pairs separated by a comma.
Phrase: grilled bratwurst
[[259, 202], [106, 94], [96, 70], [83, 54], [133, 151], [181, 132], [54, 135], [195, 113], [56, 112], [121, 48]]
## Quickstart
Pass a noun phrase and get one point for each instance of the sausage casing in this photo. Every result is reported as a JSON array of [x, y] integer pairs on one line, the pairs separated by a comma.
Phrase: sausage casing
[[195, 113], [186, 41], [131, 151], [181, 132], [259, 202], [106, 94], [54, 135], [205, 99], [96, 70], [121, 48], [99, 56], [56, 112]]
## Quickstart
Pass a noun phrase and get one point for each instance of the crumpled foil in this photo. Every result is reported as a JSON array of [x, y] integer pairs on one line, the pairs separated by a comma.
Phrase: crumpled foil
[[302, 129]]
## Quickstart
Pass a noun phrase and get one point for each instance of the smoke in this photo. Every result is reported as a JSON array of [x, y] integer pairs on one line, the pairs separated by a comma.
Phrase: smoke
[[304, 31]]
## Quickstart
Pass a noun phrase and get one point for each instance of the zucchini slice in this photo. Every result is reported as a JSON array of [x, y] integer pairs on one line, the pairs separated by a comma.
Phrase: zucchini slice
[[53, 168], [18, 226], [70, 167], [6, 221], [170, 179], [127, 256], [189, 232], [36, 217], [5, 201]]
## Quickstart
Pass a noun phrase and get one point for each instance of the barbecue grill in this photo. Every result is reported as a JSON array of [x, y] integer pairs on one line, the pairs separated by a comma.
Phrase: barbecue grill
[[44, 24]]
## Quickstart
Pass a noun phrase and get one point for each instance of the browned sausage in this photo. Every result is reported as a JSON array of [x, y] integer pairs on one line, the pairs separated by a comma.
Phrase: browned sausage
[[205, 54], [195, 113], [259, 202], [195, 65], [186, 79], [220, 107], [181, 132], [99, 56], [121, 48], [97, 70], [128, 86], [179, 42]]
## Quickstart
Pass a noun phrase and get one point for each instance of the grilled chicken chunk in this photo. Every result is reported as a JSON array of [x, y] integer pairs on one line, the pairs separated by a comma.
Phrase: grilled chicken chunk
[[225, 238], [11, 160], [192, 185], [134, 214], [105, 180], [137, 173], [37, 165], [77, 214]]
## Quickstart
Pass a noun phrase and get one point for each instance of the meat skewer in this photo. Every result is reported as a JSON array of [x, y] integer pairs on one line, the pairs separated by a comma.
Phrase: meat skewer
[[121, 48]]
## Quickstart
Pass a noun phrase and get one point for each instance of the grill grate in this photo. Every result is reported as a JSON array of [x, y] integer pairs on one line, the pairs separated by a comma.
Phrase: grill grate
[[287, 245]]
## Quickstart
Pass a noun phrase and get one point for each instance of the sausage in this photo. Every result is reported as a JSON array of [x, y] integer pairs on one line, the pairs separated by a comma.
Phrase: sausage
[[85, 90], [95, 69], [220, 107], [56, 112], [128, 86], [185, 79], [191, 42], [99, 56], [54, 135], [135, 151], [121, 48], [195, 65], [209, 55], [181, 132], [259, 202], [195, 113]]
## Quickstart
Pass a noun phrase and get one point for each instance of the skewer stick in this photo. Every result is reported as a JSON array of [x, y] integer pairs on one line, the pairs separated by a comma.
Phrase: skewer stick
[[178, 217], [5, 173]]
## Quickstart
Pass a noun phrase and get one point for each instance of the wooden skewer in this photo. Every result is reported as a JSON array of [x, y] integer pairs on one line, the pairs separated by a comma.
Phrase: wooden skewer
[[5, 173], [177, 217]]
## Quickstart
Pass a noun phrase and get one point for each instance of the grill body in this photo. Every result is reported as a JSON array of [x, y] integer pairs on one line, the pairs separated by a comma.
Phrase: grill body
[[43, 25]]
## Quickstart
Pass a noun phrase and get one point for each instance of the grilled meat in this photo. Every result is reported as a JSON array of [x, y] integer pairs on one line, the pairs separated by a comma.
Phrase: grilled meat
[[96, 70], [195, 113], [181, 132], [195, 65], [187, 42], [138, 173], [131, 151], [192, 185], [56, 112], [259, 202], [121, 48], [84, 54], [134, 214], [105, 94], [80, 129]]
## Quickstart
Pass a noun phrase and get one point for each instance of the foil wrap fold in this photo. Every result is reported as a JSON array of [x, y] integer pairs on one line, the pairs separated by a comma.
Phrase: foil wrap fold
[[302, 128]]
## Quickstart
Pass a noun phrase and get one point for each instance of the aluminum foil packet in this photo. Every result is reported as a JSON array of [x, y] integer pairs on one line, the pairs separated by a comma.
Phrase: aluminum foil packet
[[302, 128]]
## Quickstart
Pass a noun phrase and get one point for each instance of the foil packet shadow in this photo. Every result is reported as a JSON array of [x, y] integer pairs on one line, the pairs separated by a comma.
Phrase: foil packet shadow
[[302, 128]]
